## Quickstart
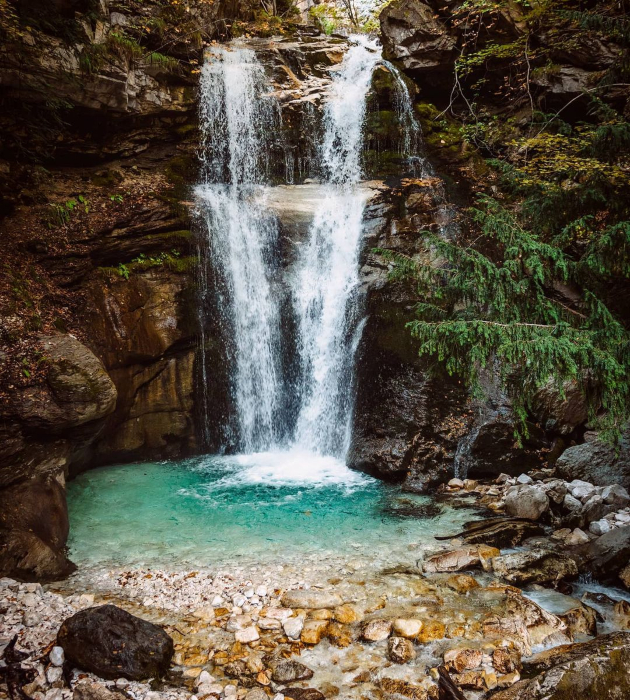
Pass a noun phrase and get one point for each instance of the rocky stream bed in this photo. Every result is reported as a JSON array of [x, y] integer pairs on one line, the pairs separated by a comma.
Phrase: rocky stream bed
[[507, 608]]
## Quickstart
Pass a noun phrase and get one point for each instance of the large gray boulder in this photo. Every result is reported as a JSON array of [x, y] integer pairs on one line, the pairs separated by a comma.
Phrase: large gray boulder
[[414, 36], [526, 501], [597, 462]]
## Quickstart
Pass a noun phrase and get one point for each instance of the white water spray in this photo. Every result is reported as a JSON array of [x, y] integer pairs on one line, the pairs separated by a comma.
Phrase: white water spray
[[236, 118], [325, 288]]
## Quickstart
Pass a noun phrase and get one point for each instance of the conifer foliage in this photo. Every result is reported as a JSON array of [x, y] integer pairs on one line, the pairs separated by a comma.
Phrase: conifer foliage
[[538, 285]]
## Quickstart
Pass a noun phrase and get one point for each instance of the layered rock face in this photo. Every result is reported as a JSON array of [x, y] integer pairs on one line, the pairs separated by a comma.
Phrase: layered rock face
[[97, 299], [407, 425]]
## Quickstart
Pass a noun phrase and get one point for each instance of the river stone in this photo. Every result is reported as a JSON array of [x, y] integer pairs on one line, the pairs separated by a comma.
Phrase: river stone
[[303, 694], [571, 503], [90, 690], [112, 643], [288, 670], [56, 656], [624, 575], [534, 566], [311, 599], [400, 650], [313, 631], [600, 527], [292, 627], [458, 559], [526, 501], [407, 628], [376, 630], [464, 659]]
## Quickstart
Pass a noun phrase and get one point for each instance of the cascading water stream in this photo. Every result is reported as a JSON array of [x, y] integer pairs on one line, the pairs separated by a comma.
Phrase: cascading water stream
[[236, 117], [325, 288]]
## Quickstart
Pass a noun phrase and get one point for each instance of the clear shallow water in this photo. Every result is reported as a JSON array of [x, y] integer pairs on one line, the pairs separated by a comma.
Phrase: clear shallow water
[[248, 509]]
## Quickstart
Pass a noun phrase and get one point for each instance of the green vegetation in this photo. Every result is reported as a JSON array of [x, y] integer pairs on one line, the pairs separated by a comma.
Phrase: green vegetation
[[172, 259], [59, 214], [537, 286]]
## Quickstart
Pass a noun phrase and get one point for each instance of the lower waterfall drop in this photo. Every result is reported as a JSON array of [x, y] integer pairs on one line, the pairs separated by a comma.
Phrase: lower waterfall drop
[[325, 288]]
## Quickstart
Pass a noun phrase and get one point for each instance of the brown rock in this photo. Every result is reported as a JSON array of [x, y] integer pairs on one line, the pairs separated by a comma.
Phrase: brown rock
[[400, 650], [347, 614], [431, 630], [463, 659], [506, 660], [462, 583], [376, 630], [313, 631], [339, 635]]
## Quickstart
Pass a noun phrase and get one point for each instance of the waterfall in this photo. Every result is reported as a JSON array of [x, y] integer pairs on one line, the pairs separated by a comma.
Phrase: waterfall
[[305, 407], [325, 287], [237, 117]]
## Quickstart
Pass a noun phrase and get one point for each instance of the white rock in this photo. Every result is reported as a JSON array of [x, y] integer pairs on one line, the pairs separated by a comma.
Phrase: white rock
[[408, 628], [599, 527], [261, 591], [229, 691], [292, 627], [581, 490], [524, 479], [239, 600], [217, 601], [210, 689], [456, 484], [268, 623], [54, 694], [203, 678], [248, 593], [57, 656], [238, 622], [622, 517], [54, 674], [571, 504], [249, 634]]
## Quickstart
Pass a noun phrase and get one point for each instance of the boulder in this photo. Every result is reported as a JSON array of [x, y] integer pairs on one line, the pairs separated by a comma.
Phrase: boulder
[[77, 391], [605, 556], [560, 411], [413, 36], [26, 557], [526, 501], [534, 566], [595, 669], [112, 643], [597, 462], [34, 516]]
